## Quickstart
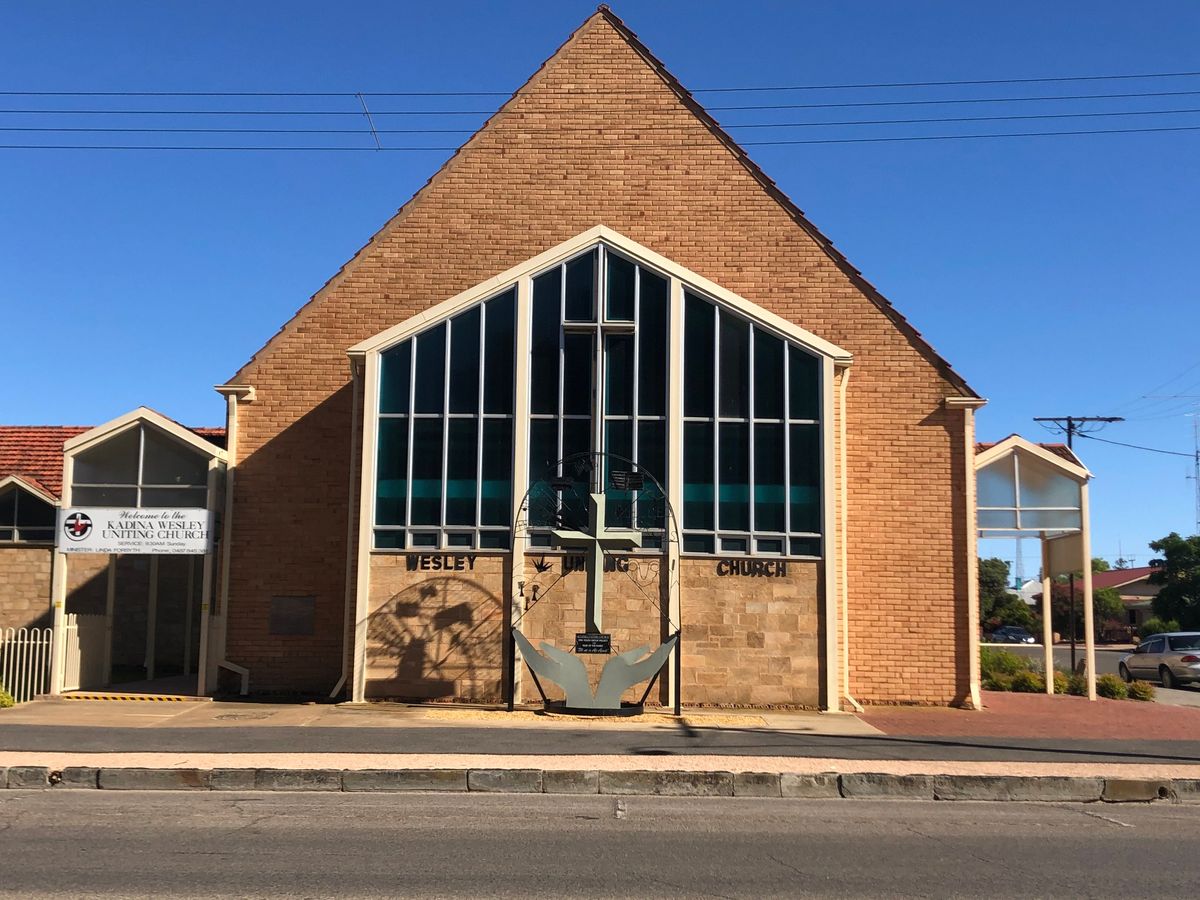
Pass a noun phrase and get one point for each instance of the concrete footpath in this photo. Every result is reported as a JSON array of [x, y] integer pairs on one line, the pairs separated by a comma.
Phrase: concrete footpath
[[910, 754]]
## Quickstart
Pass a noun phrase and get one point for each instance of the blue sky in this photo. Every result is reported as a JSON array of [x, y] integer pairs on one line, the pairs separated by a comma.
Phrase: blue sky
[[1055, 273]]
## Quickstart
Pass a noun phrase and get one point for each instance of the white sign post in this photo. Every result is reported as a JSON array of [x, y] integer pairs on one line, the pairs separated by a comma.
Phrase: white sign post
[[173, 532]]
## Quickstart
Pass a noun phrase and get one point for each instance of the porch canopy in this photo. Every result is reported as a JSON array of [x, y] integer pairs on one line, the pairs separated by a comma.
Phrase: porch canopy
[[1025, 490], [141, 484]]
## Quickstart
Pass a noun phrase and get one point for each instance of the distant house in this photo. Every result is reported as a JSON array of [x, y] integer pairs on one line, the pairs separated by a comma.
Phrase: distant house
[[1135, 589]]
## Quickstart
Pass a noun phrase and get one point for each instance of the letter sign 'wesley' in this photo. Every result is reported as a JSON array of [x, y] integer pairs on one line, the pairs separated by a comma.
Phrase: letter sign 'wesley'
[[594, 542]]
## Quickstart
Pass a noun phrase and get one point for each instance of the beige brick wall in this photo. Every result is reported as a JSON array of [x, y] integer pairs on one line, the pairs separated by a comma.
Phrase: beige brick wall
[[565, 155], [25, 587]]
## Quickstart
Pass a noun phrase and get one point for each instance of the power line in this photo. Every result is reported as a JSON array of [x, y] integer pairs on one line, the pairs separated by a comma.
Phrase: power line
[[1092, 437], [711, 90], [755, 125], [643, 145], [1071, 425], [1159, 387], [488, 112]]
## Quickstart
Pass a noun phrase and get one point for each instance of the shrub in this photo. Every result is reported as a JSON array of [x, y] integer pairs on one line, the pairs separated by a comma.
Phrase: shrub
[[1077, 685], [1027, 682], [6, 699], [1060, 682], [1112, 687], [1141, 690], [997, 681], [1155, 625], [993, 661]]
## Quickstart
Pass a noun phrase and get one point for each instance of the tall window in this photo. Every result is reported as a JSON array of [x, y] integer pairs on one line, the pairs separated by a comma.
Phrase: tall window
[[598, 380], [751, 437], [444, 454], [141, 467], [598, 376], [25, 517]]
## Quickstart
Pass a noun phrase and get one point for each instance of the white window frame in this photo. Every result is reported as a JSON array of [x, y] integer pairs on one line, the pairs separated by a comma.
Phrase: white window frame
[[23, 488]]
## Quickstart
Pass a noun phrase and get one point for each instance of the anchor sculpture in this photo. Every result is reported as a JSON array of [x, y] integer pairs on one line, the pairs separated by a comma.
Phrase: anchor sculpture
[[623, 670]]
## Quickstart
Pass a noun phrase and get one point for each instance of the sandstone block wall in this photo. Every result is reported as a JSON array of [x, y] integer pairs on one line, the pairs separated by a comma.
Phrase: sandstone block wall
[[25, 587]]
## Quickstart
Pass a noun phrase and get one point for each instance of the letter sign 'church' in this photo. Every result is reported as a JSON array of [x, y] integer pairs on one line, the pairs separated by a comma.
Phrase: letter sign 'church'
[[601, 273]]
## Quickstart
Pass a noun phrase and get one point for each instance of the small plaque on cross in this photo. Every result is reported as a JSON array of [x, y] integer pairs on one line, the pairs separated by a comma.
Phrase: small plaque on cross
[[587, 642]]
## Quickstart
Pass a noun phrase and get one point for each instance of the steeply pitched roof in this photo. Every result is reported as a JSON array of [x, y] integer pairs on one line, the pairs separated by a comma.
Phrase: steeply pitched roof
[[773, 190], [35, 452]]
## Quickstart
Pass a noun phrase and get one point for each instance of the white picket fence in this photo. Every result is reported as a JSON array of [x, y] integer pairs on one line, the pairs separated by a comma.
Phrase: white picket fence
[[83, 661], [25, 661]]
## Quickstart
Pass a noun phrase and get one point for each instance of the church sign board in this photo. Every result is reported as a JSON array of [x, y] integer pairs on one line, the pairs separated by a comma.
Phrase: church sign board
[[169, 532]]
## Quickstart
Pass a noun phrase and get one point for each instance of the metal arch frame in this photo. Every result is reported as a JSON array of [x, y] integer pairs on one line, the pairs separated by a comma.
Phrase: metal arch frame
[[520, 543]]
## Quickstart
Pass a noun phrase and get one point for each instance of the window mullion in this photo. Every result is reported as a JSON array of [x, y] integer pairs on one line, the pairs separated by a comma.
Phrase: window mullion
[[412, 420], [716, 430], [445, 433], [479, 419], [787, 448], [599, 370], [635, 447], [751, 510], [141, 463]]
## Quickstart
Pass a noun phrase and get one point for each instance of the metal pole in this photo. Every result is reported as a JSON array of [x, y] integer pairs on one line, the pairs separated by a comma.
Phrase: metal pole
[[1072, 595], [510, 651], [679, 672]]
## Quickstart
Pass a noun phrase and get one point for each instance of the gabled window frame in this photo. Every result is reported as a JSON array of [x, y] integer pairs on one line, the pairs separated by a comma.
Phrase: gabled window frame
[[23, 488], [367, 355]]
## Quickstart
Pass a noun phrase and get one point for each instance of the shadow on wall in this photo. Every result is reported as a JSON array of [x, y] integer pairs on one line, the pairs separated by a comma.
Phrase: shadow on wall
[[436, 639], [289, 535]]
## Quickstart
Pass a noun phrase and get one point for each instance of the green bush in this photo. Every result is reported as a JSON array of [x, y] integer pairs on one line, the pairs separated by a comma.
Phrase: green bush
[[1027, 682], [997, 681], [1060, 682], [1155, 625], [1112, 687], [1141, 690], [993, 661], [6, 699], [1077, 686]]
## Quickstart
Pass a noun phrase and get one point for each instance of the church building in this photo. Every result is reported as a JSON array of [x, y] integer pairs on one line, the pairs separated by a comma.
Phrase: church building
[[599, 306]]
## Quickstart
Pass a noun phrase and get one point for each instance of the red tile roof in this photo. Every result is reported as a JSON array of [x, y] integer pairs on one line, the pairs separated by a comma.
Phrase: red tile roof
[[35, 452], [1119, 577], [1061, 450]]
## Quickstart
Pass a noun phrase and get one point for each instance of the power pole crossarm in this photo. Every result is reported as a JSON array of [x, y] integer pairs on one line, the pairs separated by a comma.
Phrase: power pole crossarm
[[1070, 425]]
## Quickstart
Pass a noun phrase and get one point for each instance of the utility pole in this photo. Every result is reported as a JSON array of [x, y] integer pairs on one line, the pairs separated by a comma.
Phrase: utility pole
[[1195, 476], [1195, 414], [1070, 425]]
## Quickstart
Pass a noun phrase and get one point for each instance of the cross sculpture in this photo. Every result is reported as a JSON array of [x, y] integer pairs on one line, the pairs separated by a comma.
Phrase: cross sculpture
[[595, 541], [622, 670]]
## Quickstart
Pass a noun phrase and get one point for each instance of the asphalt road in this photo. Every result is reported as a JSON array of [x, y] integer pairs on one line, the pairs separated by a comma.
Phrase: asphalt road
[[683, 741], [1106, 660], [92, 844]]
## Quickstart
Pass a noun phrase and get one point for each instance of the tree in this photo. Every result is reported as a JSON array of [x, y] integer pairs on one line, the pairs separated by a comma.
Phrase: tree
[[1100, 564], [1178, 579], [997, 604], [1106, 605]]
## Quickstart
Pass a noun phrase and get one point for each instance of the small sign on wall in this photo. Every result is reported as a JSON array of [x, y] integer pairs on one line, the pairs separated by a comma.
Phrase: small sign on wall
[[96, 529], [593, 643]]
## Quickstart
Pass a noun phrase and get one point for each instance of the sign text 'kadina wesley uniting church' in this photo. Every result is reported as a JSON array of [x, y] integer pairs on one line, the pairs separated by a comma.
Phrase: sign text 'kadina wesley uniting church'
[[598, 397]]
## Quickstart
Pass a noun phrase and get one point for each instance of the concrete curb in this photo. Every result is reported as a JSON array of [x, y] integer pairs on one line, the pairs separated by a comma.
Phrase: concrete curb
[[828, 785]]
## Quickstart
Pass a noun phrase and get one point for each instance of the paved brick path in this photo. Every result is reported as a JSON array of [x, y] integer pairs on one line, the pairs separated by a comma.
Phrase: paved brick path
[[1040, 716]]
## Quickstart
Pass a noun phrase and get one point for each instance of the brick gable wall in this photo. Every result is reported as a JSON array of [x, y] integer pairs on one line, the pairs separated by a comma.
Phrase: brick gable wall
[[560, 158]]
